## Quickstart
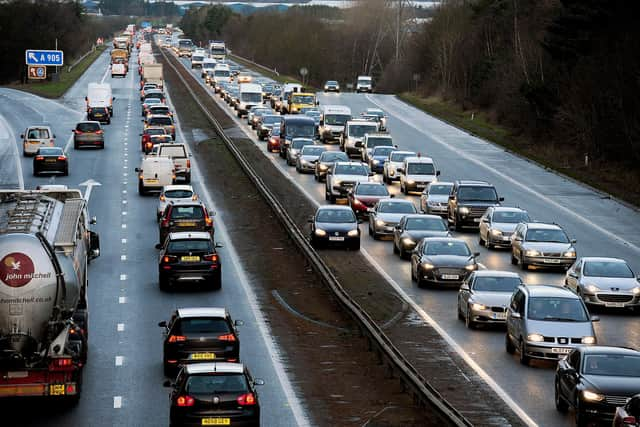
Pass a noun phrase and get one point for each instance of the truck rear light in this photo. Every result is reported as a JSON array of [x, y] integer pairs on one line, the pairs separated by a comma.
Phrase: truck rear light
[[61, 364], [227, 337], [247, 399], [211, 257], [185, 401], [71, 389], [177, 338]]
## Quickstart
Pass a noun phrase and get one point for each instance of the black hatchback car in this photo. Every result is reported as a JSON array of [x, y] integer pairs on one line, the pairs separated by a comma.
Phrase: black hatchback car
[[50, 160], [335, 226], [189, 257], [214, 394], [199, 334], [99, 114], [595, 380]]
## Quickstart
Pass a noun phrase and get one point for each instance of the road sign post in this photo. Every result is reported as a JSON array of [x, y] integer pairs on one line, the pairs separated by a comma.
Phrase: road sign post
[[37, 72], [52, 58]]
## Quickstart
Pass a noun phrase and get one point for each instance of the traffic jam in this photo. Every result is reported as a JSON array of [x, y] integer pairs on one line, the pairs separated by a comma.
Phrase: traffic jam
[[397, 194]]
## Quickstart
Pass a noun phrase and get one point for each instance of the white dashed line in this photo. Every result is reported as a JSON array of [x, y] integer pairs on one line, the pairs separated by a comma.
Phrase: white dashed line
[[117, 402], [119, 360], [122, 300], [124, 213], [120, 327], [123, 257], [124, 225], [123, 277], [123, 241]]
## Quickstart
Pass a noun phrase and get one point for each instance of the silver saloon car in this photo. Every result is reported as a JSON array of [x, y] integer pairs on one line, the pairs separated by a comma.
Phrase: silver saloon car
[[485, 295], [498, 224], [434, 199], [542, 245]]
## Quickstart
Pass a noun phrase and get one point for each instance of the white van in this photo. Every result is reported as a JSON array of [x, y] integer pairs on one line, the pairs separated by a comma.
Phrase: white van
[[221, 73], [100, 95], [154, 173], [416, 173], [354, 131], [250, 96], [332, 122], [197, 58], [179, 154], [118, 70], [364, 84], [208, 65]]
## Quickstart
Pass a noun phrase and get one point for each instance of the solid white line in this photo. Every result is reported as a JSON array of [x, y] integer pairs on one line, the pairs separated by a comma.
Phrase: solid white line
[[119, 360], [117, 402], [120, 327], [68, 145], [12, 141], [274, 353], [511, 180]]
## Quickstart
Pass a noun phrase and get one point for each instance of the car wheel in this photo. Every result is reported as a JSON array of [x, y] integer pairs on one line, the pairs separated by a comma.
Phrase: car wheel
[[456, 224], [413, 276], [403, 253], [561, 405], [395, 248], [524, 359], [141, 189], [326, 195], [481, 241], [460, 315], [356, 246], [421, 283], [508, 345], [187, 178], [102, 146], [65, 172], [488, 244], [470, 324], [216, 283], [35, 172], [75, 145], [581, 417], [315, 177]]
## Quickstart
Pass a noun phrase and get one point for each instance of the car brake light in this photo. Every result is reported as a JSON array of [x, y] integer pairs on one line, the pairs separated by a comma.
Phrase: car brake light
[[77, 131], [211, 257], [185, 401], [247, 399], [188, 163], [208, 221], [629, 421], [39, 158], [168, 258], [194, 197], [357, 202], [99, 132], [227, 337], [177, 338], [62, 158], [165, 222], [162, 198], [149, 144]]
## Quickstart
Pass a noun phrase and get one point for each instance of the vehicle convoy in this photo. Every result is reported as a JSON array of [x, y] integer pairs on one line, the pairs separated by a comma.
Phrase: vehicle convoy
[[45, 246], [99, 95]]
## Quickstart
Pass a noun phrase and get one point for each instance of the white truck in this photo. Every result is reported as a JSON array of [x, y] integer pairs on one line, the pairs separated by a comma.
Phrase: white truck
[[332, 122], [221, 73], [99, 95], [217, 50], [208, 65], [364, 84], [45, 246], [250, 96], [152, 73], [179, 154], [118, 70]]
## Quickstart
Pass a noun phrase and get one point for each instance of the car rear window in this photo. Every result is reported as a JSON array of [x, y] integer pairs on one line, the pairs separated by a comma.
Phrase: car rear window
[[189, 245], [157, 131], [165, 121], [178, 194], [159, 110], [88, 127], [217, 383], [53, 151], [201, 325], [187, 212], [378, 142], [38, 133]]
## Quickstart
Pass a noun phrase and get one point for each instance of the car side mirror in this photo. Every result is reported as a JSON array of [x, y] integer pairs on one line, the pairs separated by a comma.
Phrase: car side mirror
[[370, 210], [167, 383], [162, 324], [595, 318], [485, 220], [310, 220], [464, 287], [501, 199], [258, 381], [574, 241], [138, 170], [397, 227], [437, 173], [452, 197], [515, 315], [218, 245], [476, 254], [86, 98], [573, 274], [211, 212], [238, 323], [139, 134], [93, 220]]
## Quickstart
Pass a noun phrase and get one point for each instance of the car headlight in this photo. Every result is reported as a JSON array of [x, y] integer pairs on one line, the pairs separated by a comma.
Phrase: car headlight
[[323, 167], [379, 223], [410, 182], [569, 254], [592, 288], [353, 233], [531, 252], [636, 290], [326, 87], [471, 267], [588, 340], [392, 172], [463, 210], [337, 87], [477, 306], [303, 162], [337, 183], [407, 241], [535, 337], [427, 266], [294, 109], [320, 232], [496, 232], [592, 396], [375, 162]]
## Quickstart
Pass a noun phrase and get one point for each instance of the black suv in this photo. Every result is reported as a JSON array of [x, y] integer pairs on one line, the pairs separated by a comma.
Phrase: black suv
[[189, 257], [184, 216], [469, 200], [199, 334]]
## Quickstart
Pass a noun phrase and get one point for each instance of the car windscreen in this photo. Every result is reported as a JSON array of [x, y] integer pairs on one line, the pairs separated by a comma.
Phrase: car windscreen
[[382, 151], [398, 157], [197, 58], [420, 169], [270, 119], [607, 269], [53, 151], [364, 81], [377, 142], [334, 156], [299, 143], [221, 73], [426, 224], [614, 365], [178, 194], [216, 384], [335, 216], [496, 284], [447, 248], [373, 112], [555, 309], [546, 235], [371, 190], [336, 119], [189, 245], [250, 97], [331, 83], [359, 130], [510, 217], [301, 129], [440, 189], [173, 151], [160, 121], [352, 169], [209, 65], [312, 151], [477, 194], [396, 207], [303, 99], [187, 212], [88, 127]]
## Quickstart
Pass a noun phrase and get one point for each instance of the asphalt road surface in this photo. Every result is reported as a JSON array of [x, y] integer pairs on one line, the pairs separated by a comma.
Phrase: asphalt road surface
[[123, 377], [602, 227]]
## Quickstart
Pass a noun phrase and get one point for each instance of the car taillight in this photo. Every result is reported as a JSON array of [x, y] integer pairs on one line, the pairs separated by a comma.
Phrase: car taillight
[[148, 145], [99, 132], [177, 338], [168, 258], [62, 158], [188, 163], [357, 202], [39, 158], [194, 197], [162, 198], [61, 363], [185, 401], [211, 257], [247, 399], [227, 337], [165, 222], [208, 221], [76, 131], [90, 110], [629, 421]]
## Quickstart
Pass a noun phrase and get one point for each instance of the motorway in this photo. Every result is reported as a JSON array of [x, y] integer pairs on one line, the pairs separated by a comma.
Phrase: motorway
[[602, 227], [123, 377]]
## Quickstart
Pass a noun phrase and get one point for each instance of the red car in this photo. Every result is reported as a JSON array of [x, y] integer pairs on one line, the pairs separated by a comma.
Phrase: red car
[[146, 136], [629, 414], [273, 143], [365, 195]]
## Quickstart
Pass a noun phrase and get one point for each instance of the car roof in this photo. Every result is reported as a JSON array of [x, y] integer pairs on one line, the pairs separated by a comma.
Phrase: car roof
[[603, 259], [507, 209], [549, 291], [495, 273], [202, 312], [190, 235], [418, 160], [378, 135], [404, 152], [543, 226], [39, 127], [389, 199], [444, 239], [186, 203], [216, 367], [472, 182], [361, 121], [350, 162], [94, 122], [595, 349], [334, 207], [441, 183], [177, 187], [419, 215]]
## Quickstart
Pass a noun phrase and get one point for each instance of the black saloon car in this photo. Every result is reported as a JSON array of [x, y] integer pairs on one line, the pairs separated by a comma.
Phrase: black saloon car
[[335, 226], [413, 228], [199, 334], [595, 380], [189, 257], [214, 394], [50, 160], [442, 261]]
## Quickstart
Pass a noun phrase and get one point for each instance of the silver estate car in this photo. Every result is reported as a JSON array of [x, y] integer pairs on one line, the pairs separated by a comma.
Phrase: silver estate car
[[547, 322], [605, 282], [434, 199], [540, 244], [485, 295], [498, 224]]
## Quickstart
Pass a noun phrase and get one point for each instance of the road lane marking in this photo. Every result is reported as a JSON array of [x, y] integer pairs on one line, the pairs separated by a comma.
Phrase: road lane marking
[[120, 327], [122, 300], [512, 180], [105, 74], [68, 145], [124, 226], [119, 360], [123, 257], [123, 277], [117, 402], [123, 241]]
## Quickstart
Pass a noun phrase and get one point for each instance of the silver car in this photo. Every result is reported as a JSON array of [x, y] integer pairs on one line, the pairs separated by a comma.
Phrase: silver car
[[391, 165], [485, 295], [326, 161], [307, 158], [547, 322], [174, 193], [540, 244], [294, 149], [498, 224], [386, 214], [606, 282], [434, 199]]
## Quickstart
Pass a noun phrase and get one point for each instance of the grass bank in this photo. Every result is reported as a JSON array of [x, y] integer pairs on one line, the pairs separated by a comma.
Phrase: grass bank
[[613, 178], [51, 89]]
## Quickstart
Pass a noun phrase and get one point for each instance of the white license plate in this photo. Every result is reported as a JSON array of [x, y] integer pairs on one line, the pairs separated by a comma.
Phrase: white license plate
[[499, 316], [450, 276], [551, 261], [614, 304], [336, 239], [476, 219], [561, 350]]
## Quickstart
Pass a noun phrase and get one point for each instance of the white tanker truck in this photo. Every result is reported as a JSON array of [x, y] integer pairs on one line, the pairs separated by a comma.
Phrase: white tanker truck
[[45, 245]]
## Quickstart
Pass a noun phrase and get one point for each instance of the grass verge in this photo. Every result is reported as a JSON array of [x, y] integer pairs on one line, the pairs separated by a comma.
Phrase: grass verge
[[613, 178], [50, 89]]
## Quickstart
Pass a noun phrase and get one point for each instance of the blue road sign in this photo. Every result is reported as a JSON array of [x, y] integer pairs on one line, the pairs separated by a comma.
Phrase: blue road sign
[[145, 24], [40, 72], [44, 57]]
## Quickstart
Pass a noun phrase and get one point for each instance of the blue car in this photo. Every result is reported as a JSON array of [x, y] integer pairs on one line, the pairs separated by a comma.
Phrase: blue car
[[378, 157]]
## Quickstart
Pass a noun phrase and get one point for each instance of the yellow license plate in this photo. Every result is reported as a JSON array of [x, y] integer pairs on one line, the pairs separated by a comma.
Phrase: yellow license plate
[[151, 181], [50, 160], [216, 421], [203, 356], [33, 142], [190, 258], [56, 389], [186, 224], [342, 201]]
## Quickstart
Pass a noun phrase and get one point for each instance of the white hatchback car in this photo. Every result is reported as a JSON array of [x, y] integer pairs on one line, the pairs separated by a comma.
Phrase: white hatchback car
[[174, 193]]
